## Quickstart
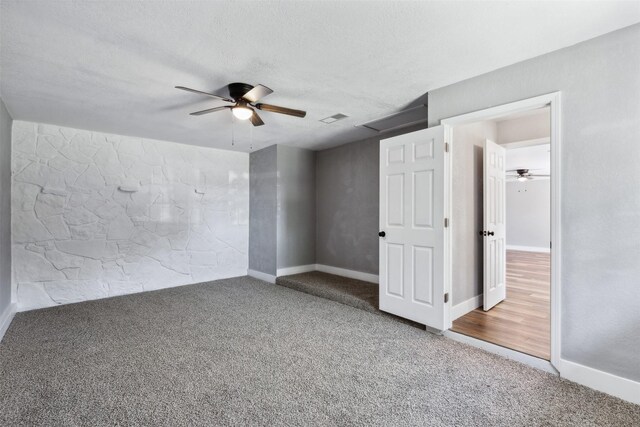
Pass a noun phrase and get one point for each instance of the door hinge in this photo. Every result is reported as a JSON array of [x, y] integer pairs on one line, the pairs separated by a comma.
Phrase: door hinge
[[446, 147], [446, 297], [446, 222]]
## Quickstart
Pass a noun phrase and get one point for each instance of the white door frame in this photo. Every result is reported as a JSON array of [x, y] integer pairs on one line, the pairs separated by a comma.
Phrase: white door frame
[[552, 100]]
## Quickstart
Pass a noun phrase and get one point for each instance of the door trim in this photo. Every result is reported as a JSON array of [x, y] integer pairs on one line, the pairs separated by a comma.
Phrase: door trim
[[554, 101]]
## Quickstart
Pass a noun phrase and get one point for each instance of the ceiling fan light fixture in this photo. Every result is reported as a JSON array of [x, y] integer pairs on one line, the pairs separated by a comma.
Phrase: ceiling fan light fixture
[[244, 97], [522, 178], [241, 112]]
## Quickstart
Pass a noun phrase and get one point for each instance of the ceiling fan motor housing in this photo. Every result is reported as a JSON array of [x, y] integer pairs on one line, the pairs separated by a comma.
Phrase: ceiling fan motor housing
[[238, 90]]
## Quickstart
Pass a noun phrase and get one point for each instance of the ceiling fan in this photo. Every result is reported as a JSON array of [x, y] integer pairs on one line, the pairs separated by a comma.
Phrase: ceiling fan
[[245, 99], [523, 175]]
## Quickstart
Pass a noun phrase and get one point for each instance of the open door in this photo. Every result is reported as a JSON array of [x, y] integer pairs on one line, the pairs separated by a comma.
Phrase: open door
[[495, 255], [412, 226]]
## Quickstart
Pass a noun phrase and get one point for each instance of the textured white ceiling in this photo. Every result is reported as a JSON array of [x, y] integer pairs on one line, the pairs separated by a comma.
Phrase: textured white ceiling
[[111, 65], [536, 158]]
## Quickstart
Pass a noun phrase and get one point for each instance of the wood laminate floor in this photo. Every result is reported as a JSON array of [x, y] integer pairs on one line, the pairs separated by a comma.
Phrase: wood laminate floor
[[522, 321]]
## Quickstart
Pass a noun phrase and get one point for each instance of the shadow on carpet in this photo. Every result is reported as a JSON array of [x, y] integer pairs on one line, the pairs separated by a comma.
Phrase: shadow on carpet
[[351, 292]]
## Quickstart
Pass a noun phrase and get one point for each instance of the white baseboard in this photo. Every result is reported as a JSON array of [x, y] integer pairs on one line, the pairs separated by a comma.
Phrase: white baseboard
[[465, 307], [262, 276], [532, 361], [528, 249], [359, 275], [367, 277], [295, 270], [5, 319], [605, 382]]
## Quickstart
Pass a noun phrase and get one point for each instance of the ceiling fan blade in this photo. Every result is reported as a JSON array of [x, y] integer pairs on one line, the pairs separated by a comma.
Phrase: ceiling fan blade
[[210, 110], [257, 93], [539, 175], [256, 120], [281, 110], [205, 93]]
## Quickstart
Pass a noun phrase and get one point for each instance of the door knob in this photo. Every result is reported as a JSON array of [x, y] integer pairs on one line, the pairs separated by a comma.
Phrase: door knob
[[490, 233], [382, 234]]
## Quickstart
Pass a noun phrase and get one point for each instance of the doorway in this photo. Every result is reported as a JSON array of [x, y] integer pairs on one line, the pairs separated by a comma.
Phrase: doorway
[[524, 315], [514, 230]]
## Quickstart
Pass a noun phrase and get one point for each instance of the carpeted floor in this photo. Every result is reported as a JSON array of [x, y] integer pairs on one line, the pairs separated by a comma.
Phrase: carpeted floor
[[352, 292], [241, 352], [356, 293]]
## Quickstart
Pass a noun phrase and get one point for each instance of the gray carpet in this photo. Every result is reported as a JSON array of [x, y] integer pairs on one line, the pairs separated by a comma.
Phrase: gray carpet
[[352, 292], [356, 293], [241, 352]]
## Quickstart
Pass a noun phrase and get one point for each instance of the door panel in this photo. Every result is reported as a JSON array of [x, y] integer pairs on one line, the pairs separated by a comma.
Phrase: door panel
[[395, 196], [423, 275], [422, 195], [395, 272], [495, 289], [395, 155], [412, 216]]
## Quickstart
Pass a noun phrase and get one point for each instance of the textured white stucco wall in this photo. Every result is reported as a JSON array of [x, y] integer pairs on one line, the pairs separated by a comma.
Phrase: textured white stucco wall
[[96, 215]]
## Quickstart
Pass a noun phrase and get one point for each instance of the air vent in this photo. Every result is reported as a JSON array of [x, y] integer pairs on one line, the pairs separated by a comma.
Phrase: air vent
[[411, 116], [334, 118]]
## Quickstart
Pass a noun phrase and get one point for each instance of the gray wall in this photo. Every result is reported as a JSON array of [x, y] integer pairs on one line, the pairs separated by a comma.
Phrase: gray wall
[[347, 189], [347, 198], [296, 223], [282, 218], [600, 84], [262, 210], [5, 208], [529, 213], [467, 164]]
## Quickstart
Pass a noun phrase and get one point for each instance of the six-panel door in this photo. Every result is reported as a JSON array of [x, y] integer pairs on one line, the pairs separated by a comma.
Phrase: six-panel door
[[495, 255], [412, 217]]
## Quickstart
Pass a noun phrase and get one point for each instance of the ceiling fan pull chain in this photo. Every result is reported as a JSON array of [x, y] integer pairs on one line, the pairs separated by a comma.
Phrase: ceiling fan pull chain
[[233, 127], [251, 138]]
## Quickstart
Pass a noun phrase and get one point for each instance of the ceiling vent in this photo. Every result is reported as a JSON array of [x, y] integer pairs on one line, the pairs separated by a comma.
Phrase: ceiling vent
[[334, 118], [404, 118]]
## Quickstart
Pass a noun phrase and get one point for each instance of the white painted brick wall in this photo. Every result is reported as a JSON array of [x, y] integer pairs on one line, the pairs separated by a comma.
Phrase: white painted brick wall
[[96, 215]]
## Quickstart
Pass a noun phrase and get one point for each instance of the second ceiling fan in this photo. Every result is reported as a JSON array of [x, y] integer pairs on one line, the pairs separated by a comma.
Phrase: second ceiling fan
[[245, 98], [523, 175]]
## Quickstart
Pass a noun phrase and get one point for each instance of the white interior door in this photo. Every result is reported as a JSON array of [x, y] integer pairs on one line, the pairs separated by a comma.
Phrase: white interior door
[[412, 226], [495, 255]]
